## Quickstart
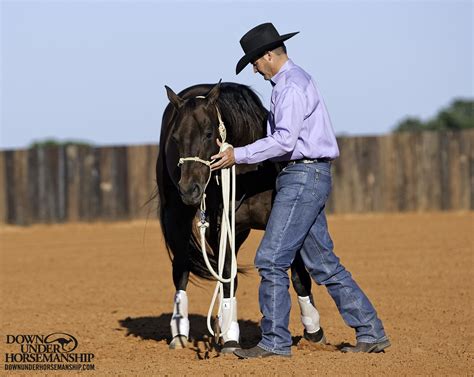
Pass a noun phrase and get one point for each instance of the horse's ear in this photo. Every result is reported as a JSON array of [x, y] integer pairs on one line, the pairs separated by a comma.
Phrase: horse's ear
[[176, 100], [213, 95]]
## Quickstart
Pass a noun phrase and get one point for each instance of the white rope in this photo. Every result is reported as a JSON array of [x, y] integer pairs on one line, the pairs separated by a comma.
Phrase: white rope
[[228, 179]]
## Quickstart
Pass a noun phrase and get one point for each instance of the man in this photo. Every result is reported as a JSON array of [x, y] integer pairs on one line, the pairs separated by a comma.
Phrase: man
[[299, 136]]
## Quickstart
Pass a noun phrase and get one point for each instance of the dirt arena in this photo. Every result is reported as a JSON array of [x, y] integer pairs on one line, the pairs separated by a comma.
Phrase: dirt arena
[[109, 285]]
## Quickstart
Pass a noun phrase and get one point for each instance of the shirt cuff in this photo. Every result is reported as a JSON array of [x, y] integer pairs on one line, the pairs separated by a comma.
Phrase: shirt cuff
[[240, 155]]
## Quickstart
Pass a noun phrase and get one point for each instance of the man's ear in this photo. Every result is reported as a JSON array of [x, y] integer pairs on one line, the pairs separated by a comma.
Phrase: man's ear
[[176, 100], [213, 95]]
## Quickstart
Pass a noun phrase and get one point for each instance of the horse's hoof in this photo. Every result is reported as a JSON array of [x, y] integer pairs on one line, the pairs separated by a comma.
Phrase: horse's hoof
[[230, 346], [178, 342], [318, 337]]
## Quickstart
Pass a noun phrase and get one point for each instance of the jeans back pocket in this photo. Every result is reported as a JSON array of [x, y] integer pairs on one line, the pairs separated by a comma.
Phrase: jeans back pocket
[[322, 184]]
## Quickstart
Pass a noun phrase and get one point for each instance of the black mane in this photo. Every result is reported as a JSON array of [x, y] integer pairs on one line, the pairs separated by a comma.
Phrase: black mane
[[241, 111]]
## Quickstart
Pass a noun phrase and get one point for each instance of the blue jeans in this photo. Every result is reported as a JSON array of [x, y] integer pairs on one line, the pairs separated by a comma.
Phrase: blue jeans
[[298, 223]]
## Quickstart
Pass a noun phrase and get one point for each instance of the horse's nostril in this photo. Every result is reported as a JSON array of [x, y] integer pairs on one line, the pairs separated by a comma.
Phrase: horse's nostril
[[190, 194]]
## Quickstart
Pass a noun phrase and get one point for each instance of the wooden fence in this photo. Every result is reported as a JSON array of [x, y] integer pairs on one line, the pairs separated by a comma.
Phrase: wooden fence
[[77, 183], [426, 171]]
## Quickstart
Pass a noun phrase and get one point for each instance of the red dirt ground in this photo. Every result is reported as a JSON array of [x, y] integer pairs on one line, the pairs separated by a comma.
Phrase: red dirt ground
[[109, 285]]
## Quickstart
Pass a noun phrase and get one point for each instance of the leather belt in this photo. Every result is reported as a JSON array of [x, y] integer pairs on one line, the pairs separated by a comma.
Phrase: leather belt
[[284, 164]]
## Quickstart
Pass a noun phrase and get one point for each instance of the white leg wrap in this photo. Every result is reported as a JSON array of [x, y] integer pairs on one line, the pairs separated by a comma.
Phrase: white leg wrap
[[179, 320], [233, 331], [309, 315]]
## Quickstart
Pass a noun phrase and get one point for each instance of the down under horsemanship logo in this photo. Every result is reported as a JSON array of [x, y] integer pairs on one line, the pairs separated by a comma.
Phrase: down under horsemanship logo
[[66, 342], [46, 352]]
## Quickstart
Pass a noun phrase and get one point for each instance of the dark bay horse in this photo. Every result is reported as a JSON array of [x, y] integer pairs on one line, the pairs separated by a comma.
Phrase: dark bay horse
[[190, 128]]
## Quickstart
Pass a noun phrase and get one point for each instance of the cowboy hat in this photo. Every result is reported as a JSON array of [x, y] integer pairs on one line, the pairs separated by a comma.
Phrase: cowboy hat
[[255, 42]]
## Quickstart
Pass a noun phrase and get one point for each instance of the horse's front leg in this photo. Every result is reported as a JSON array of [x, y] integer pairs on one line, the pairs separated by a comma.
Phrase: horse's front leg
[[178, 223], [180, 320], [228, 313], [309, 314]]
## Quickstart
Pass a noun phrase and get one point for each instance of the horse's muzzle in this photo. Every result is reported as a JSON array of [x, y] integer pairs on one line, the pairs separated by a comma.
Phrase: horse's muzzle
[[191, 194]]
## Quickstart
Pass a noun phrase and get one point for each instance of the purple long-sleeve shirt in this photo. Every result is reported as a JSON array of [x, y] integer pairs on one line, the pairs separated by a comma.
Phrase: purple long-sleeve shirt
[[298, 124]]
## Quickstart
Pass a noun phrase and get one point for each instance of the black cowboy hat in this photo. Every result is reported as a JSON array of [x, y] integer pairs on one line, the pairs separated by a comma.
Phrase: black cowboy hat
[[255, 42]]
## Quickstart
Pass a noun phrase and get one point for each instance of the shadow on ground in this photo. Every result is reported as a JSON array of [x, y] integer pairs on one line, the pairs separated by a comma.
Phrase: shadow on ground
[[158, 329], [200, 340]]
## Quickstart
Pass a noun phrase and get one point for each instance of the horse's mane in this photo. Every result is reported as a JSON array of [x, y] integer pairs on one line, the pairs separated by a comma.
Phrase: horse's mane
[[242, 110]]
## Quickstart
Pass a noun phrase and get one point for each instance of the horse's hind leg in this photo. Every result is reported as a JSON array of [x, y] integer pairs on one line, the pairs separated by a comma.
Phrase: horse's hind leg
[[177, 223], [228, 315], [309, 314]]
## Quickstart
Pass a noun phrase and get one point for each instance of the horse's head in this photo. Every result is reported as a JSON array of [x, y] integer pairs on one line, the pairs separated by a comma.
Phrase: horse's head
[[195, 132]]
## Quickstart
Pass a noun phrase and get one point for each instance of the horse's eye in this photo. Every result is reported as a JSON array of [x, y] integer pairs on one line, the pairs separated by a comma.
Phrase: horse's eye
[[209, 135]]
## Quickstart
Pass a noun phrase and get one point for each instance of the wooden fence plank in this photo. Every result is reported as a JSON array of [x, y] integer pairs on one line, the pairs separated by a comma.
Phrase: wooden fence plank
[[428, 175], [89, 191], [113, 182], [73, 182], [354, 178], [152, 204], [466, 169], [10, 187], [19, 209], [50, 171], [444, 161], [62, 184], [468, 150], [454, 170], [406, 165], [367, 163], [374, 177], [3, 192], [387, 166], [138, 167], [343, 177]]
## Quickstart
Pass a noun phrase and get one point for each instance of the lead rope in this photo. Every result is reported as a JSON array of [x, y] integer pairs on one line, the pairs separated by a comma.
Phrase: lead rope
[[227, 230]]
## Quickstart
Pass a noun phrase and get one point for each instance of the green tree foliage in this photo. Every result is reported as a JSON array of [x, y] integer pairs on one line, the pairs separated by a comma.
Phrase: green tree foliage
[[458, 116]]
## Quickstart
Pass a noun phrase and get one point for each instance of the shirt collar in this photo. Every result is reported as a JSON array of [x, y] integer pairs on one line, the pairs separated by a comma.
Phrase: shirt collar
[[285, 67]]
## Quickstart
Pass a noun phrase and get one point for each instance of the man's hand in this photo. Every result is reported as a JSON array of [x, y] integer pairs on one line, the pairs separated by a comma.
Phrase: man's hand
[[223, 159]]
